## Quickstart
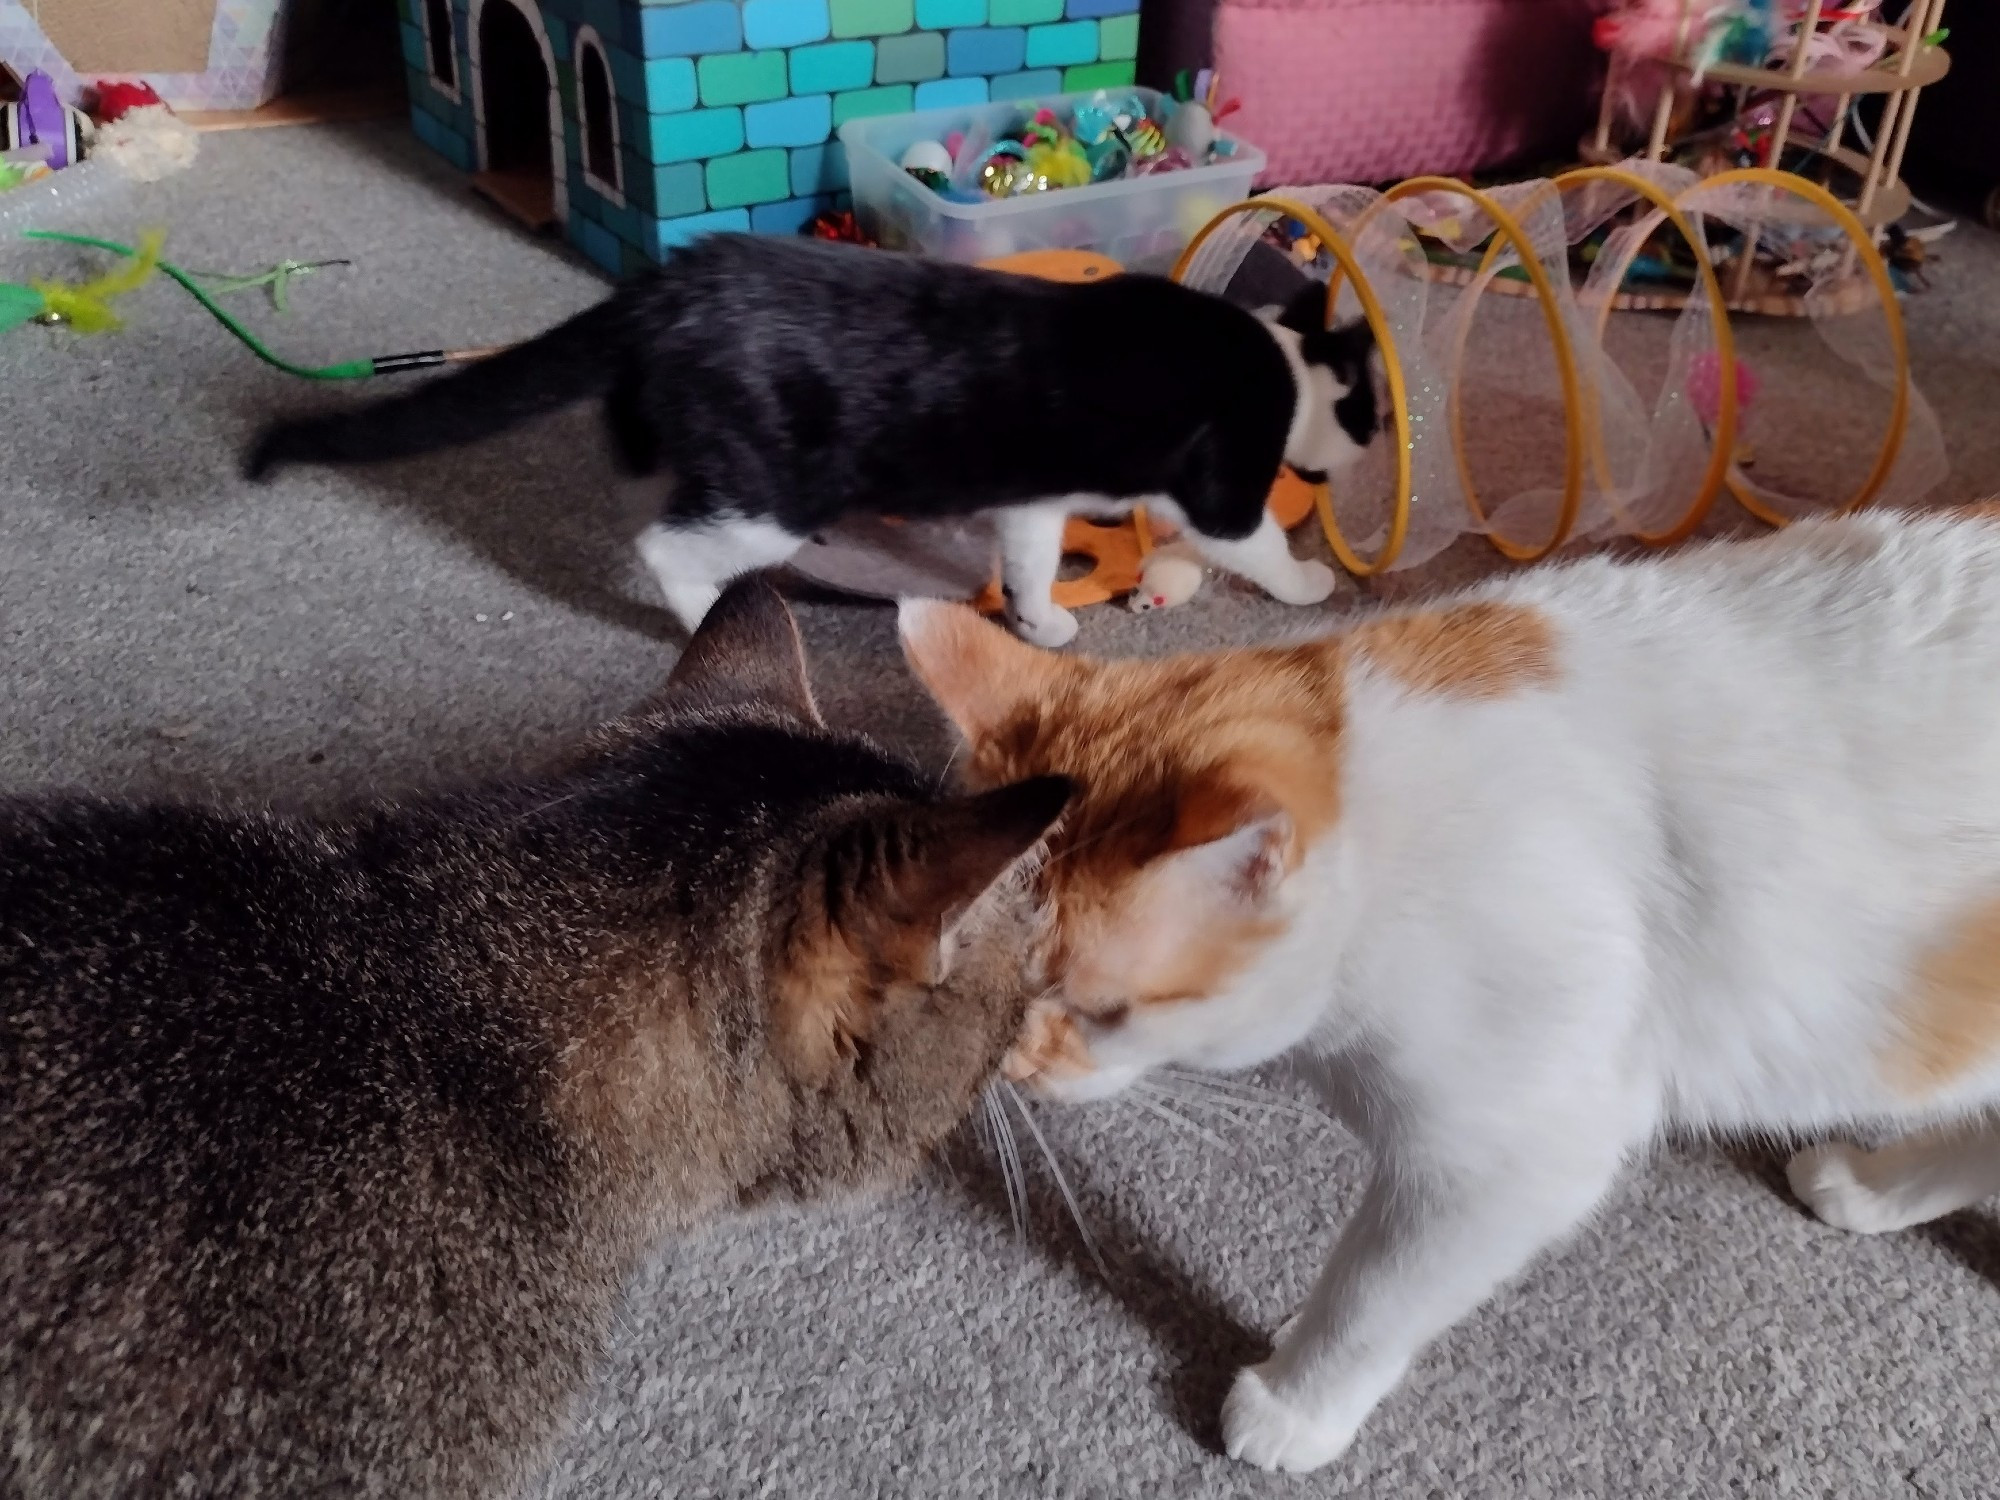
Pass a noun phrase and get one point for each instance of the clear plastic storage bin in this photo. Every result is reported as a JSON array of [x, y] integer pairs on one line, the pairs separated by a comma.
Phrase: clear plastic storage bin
[[1140, 222]]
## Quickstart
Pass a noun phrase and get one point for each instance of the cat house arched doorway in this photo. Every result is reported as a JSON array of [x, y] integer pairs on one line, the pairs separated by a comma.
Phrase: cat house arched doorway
[[517, 112]]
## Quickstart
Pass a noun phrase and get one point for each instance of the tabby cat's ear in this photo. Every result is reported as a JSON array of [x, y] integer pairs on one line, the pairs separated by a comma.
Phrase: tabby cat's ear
[[747, 652], [913, 873], [978, 673], [896, 885]]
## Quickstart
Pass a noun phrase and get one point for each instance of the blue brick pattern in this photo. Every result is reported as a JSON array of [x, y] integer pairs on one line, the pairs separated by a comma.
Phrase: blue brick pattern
[[832, 68], [1062, 44], [1026, 85], [985, 50], [818, 169], [789, 122], [690, 30], [790, 216], [668, 234], [951, 93], [680, 188], [628, 73], [670, 141], [452, 147], [600, 244], [670, 85], [948, 15], [785, 23]]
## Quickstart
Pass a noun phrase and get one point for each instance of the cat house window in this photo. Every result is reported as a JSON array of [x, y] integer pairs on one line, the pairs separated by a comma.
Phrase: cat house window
[[439, 44], [598, 107]]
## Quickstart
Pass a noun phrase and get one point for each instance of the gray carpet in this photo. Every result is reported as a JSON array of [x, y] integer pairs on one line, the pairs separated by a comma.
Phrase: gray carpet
[[164, 628]]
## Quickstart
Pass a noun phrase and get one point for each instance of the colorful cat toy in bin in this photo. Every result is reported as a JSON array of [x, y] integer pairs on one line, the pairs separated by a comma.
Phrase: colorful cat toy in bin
[[1107, 137]]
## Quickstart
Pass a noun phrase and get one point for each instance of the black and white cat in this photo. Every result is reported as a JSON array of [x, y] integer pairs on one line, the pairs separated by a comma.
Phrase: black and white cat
[[785, 384]]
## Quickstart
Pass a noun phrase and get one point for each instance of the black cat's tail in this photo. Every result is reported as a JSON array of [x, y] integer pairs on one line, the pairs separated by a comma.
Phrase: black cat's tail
[[571, 362]]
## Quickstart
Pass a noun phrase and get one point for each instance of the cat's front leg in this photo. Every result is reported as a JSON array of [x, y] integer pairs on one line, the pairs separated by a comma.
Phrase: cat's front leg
[[695, 559], [1031, 545], [1906, 1182], [1428, 1244], [1265, 558]]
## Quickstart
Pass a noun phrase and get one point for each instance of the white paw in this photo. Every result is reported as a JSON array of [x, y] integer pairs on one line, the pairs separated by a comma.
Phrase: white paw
[[690, 605], [1826, 1180], [1261, 1427], [1055, 628], [1311, 583]]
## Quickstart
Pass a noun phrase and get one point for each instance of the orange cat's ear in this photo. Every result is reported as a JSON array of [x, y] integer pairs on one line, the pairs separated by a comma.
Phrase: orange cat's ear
[[978, 673], [1230, 841]]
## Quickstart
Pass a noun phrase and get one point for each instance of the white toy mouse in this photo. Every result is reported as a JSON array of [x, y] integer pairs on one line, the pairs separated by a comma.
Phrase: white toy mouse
[[1171, 575]]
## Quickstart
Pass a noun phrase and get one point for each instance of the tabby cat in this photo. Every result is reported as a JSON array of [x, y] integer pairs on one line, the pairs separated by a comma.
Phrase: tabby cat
[[325, 1143]]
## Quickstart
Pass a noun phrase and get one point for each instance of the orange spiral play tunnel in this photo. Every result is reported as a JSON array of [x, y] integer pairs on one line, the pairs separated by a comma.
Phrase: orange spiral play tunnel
[[1647, 470]]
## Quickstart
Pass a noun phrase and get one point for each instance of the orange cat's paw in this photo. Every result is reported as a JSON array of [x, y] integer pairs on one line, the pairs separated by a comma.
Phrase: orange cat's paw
[[1261, 1426], [1828, 1181]]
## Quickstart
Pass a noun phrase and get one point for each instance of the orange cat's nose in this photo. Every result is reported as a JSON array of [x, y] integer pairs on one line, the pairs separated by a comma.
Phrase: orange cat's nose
[[1049, 1041], [1017, 1067]]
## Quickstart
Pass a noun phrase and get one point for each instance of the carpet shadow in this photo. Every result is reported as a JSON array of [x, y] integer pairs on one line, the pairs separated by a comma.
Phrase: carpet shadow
[[1204, 1342], [1766, 1164], [542, 503], [1972, 1238]]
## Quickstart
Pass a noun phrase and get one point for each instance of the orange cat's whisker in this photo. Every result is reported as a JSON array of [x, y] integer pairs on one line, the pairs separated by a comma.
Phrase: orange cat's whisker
[[1142, 1096], [1253, 1095]]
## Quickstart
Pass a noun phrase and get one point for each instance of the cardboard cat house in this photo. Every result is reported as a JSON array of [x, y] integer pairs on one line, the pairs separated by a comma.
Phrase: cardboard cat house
[[197, 54], [634, 126]]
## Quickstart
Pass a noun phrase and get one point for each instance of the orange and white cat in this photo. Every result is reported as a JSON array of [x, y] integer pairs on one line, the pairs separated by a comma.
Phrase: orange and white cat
[[1708, 842]]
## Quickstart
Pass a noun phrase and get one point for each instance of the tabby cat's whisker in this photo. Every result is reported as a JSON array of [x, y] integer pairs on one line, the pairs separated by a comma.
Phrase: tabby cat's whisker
[[1010, 1163], [1062, 1182], [945, 775], [541, 807]]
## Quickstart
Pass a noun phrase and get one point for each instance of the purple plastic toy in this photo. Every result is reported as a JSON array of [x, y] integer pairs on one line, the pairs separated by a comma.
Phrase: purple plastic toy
[[40, 119]]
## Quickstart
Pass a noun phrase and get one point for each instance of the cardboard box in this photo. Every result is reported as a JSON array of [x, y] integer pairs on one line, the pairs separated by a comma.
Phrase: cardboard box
[[199, 54], [116, 36]]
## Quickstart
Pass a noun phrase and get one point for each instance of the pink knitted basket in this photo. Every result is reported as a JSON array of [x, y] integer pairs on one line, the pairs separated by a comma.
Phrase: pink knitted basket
[[1370, 90]]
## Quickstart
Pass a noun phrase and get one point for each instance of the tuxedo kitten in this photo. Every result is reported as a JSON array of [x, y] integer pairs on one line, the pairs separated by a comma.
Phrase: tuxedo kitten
[[326, 1143], [780, 385], [1527, 880]]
